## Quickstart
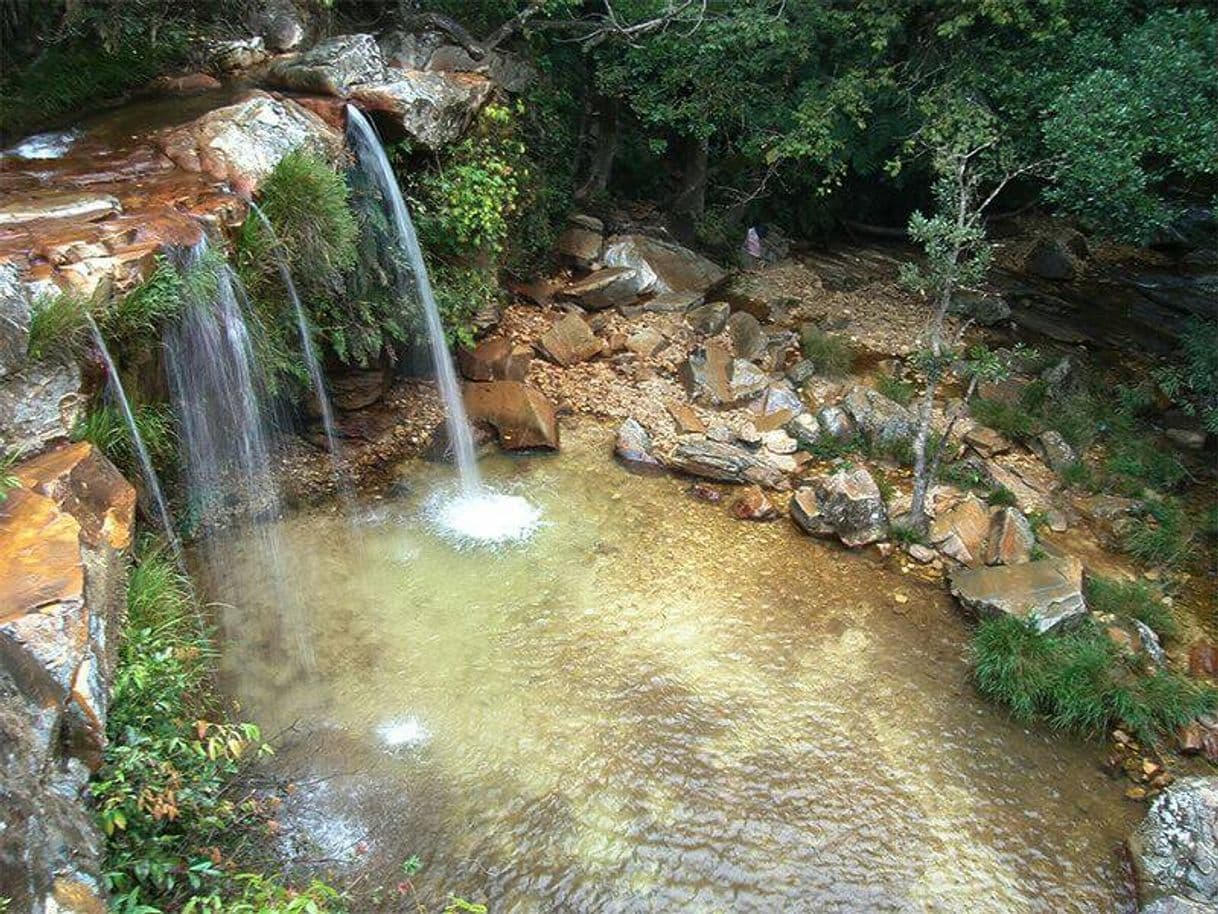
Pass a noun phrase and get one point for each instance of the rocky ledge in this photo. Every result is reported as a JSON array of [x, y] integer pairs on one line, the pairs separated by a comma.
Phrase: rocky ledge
[[65, 538]]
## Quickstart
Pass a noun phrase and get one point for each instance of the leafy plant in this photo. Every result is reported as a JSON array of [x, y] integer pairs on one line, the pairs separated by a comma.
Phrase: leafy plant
[[8, 479], [176, 832], [1001, 496], [139, 315], [906, 535], [1192, 383], [1080, 681]]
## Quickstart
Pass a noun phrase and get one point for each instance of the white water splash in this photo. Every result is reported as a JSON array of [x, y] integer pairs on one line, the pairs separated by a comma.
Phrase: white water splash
[[482, 517], [406, 733], [52, 145]]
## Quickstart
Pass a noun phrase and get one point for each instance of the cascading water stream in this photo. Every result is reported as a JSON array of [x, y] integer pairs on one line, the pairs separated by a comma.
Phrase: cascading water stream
[[218, 390], [475, 515], [371, 156], [307, 347], [152, 483]]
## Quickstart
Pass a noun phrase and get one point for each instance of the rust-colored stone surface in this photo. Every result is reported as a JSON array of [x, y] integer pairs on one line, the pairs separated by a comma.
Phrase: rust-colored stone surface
[[40, 555], [87, 486], [521, 415]]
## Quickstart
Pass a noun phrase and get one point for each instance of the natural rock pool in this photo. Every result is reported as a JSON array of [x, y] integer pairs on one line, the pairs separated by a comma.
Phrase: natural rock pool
[[651, 706]]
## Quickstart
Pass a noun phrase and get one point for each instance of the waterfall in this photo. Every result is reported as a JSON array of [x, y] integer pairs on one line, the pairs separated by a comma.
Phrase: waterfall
[[152, 484], [306, 345], [218, 390], [371, 156]]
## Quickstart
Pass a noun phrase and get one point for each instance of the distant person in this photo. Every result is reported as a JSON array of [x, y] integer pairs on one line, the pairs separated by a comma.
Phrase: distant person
[[751, 250]]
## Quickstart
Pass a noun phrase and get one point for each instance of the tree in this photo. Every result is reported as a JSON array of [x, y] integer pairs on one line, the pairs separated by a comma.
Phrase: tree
[[972, 166]]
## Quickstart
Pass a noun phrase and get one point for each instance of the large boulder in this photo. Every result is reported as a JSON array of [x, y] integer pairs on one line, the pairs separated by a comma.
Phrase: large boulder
[[748, 340], [331, 67], [633, 446], [1050, 258], [14, 319], [64, 536], [521, 415], [962, 532], [713, 377], [280, 23], [661, 266], [1045, 593], [569, 341], [495, 359], [882, 420], [39, 405], [1175, 848], [432, 109], [243, 142], [582, 242], [607, 288], [698, 455], [847, 505]]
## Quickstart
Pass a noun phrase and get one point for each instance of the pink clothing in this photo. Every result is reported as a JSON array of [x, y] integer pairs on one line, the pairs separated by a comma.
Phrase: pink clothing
[[752, 243]]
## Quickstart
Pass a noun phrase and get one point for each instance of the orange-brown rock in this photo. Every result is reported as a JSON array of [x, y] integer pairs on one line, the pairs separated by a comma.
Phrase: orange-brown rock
[[521, 415], [1203, 659], [568, 341], [961, 532], [89, 488], [494, 359], [754, 504]]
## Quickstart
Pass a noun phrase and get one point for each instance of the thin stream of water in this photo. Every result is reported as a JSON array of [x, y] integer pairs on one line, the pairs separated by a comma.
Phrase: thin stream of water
[[371, 156], [152, 483]]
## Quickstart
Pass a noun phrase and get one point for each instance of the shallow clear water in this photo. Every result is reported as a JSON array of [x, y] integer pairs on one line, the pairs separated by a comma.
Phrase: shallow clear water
[[651, 707]]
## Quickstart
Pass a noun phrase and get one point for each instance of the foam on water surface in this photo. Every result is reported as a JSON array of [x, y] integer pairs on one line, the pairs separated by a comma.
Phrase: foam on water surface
[[482, 517]]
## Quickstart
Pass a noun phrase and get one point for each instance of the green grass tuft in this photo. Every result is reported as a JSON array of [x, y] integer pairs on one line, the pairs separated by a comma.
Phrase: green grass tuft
[[58, 325], [8, 479], [139, 315], [1001, 496], [1160, 536], [906, 535], [1013, 421], [1079, 681], [895, 389], [831, 354], [1133, 600], [106, 429]]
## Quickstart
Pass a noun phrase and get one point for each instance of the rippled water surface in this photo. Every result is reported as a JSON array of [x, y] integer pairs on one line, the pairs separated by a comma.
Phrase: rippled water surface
[[650, 707]]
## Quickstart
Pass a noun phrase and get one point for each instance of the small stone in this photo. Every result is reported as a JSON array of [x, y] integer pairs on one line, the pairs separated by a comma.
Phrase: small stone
[[749, 434], [919, 553], [778, 442], [721, 433], [702, 492], [687, 421], [900, 598], [1136, 793], [645, 342], [754, 504], [1056, 520]]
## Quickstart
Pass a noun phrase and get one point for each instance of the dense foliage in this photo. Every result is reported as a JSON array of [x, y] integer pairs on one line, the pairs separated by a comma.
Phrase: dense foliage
[[182, 835]]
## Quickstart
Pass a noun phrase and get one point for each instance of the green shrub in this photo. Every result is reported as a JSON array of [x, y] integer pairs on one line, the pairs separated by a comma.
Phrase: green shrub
[[1080, 681], [1133, 600], [906, 535], [895, 389], [178, 836], [964, 475], [105, 427], [1012, 420], [1192, 383], [830, 354], [1160, 536], [1136, 461], [1079, 475], [58, 325]]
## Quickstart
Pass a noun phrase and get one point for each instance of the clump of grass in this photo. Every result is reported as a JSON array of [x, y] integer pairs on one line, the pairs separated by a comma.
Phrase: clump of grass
[[1142, 463], [895, 389], [1079, 475], [158, 593], [106, 429], [826, 447], [1012, 420], [140, 313], [57, 325], [965, 475], [1080, 681], [1162, 535], [830, 354], [1132, 600], [1001, 496]]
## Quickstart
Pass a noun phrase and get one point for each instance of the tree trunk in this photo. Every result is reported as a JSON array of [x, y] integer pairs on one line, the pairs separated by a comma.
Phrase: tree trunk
[[689, 203], [601, 166]]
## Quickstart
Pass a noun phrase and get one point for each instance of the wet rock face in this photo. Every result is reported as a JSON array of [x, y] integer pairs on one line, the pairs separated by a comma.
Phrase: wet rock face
[[14, 320], [846, 505], [633, 446], [1046, 593], [1175, 848], [521, 415], [242, 143], [39, 405], [64, 533]]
